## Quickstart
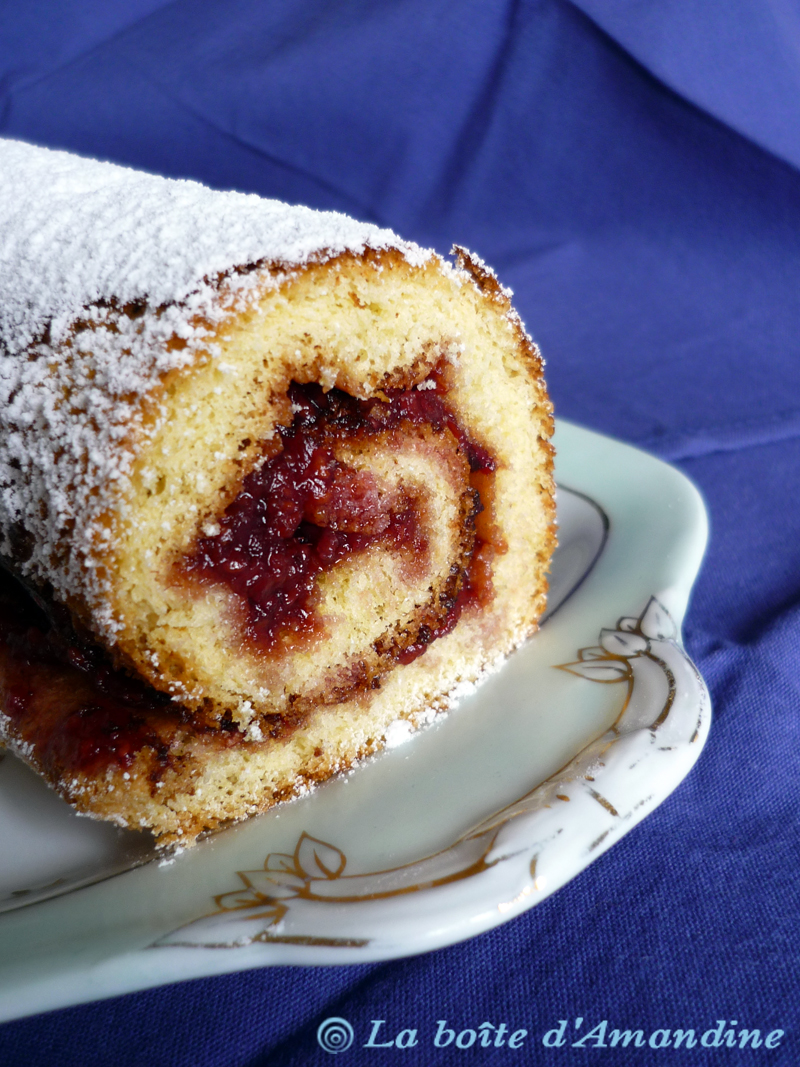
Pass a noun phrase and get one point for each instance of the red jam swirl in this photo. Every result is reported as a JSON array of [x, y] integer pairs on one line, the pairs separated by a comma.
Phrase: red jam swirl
[[303, 511], [67, 700], [299, 514]]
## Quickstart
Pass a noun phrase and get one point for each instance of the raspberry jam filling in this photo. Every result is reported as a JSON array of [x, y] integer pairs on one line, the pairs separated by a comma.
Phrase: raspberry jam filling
[[299, 514], [303, 511], [81, 714], [65, 697]]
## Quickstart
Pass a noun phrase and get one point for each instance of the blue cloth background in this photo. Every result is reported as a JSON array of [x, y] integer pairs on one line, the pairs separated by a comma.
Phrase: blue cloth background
[[631, 170]]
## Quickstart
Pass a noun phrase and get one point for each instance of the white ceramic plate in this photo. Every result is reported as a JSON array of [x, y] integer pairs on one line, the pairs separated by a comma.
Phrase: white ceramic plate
[[480, 816]]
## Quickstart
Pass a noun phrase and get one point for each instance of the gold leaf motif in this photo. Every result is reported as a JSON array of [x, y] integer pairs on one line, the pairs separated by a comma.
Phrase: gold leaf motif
[[656, 622], [276, 883], [316, 859], [240, 898], [279, 861], [599, 670], [619, 643]]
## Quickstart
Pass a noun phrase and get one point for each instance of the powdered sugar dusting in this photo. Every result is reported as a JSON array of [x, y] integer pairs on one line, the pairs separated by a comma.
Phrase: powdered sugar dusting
[[75, 231], [109, 279], [398, 733]]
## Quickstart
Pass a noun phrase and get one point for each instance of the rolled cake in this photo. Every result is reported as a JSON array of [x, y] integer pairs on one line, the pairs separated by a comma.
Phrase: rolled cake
[[274, 485]]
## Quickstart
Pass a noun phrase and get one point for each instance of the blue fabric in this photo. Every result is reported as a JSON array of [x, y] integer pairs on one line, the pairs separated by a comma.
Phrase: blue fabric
[[630, 170]]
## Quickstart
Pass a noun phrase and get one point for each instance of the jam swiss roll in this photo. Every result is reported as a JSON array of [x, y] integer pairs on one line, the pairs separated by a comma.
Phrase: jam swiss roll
[[274, 486]]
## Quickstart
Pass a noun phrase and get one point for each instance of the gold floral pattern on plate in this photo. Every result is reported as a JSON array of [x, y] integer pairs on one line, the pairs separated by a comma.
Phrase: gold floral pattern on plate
[[301, 897]]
